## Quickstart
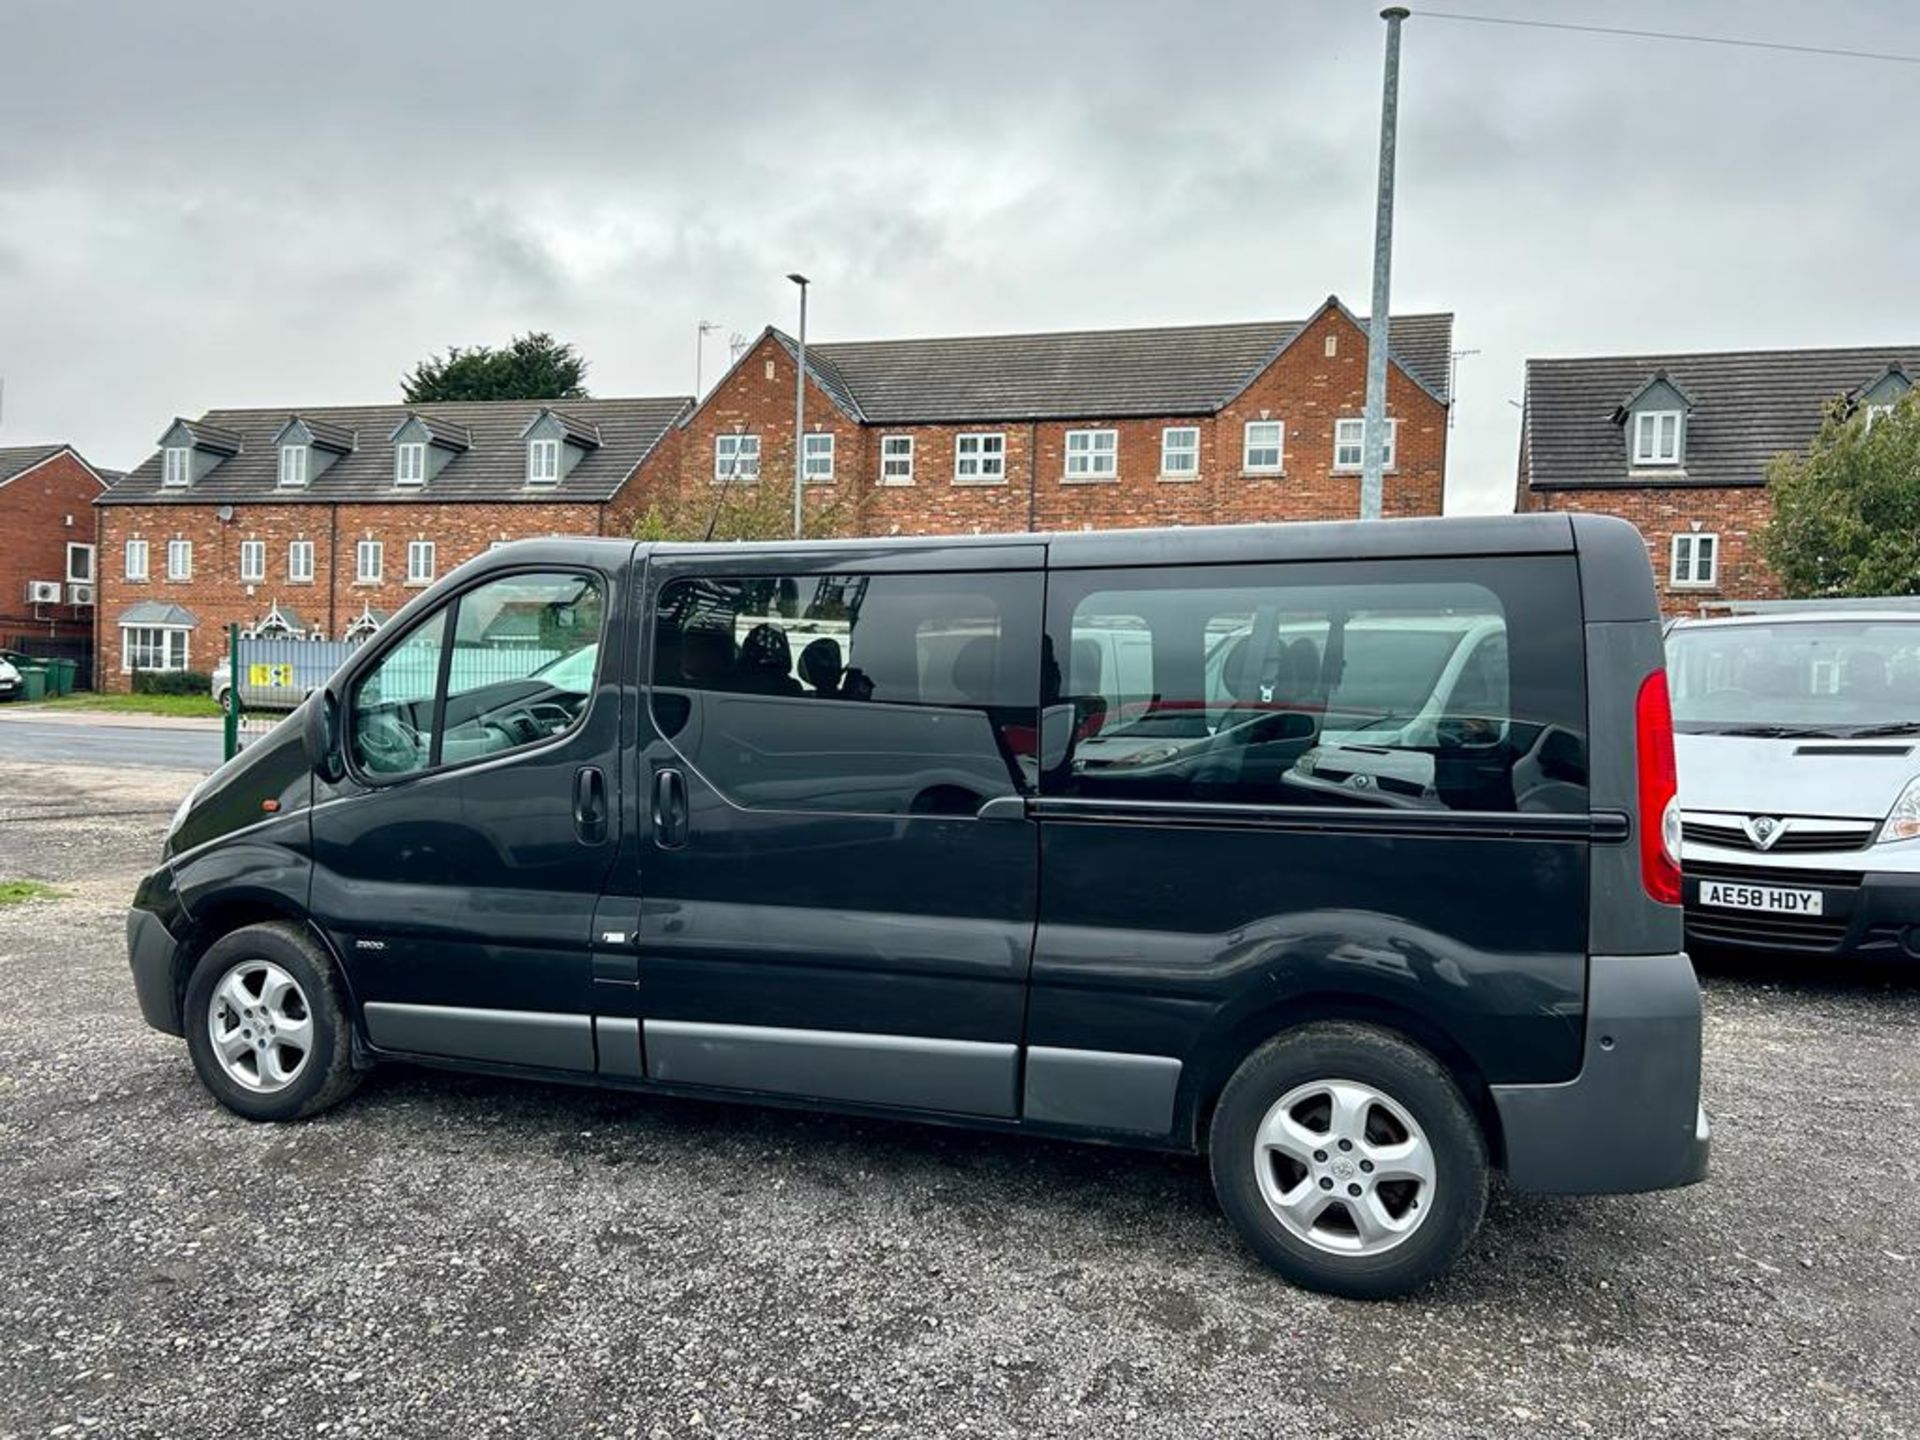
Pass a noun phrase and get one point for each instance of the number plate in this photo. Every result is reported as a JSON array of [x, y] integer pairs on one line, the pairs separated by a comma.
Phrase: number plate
[[1730, 896]]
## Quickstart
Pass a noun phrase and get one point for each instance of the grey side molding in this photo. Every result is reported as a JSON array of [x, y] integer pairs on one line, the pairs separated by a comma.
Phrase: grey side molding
[[616, 1040], [1101, 1090], [967, 1077], [1631, 1119], [506, 1037]]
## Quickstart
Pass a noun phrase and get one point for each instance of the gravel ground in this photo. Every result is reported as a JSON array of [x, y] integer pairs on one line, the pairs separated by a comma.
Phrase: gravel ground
[[471, 1257]]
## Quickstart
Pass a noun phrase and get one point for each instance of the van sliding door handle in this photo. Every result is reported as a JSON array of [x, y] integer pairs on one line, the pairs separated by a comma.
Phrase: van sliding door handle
[[669, 809]]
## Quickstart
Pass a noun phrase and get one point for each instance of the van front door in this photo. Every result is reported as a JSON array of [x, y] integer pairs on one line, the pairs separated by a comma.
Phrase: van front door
[[458, 862], [838, 892]]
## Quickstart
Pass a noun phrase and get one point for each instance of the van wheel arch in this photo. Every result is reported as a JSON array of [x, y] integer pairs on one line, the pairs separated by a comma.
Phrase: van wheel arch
[[1226, 1054], [222, 920]]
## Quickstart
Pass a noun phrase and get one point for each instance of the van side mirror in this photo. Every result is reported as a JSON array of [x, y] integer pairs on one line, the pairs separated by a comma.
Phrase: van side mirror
[[322, 737]]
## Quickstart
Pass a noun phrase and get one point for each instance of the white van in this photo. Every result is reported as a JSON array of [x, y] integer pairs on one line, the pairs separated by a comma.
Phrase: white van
[[1799, 752]]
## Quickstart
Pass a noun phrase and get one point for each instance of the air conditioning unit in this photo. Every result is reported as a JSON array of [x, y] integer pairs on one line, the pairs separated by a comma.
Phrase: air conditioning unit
[[43, 592], [80, 594]]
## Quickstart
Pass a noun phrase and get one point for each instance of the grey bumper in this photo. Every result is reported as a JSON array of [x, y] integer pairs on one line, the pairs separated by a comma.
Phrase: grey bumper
[[1631, 1119], [150, 951]]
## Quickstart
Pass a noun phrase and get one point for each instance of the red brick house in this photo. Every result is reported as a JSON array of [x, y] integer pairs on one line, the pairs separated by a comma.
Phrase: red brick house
[[47, 565], [322, 521], [1679, 445], [1206, 424]]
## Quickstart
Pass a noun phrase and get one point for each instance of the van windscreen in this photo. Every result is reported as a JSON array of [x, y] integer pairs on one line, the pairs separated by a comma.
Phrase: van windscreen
[[1801, 678]]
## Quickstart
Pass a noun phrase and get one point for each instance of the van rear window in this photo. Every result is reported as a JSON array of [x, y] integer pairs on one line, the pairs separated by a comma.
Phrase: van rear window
[[1395, 685]]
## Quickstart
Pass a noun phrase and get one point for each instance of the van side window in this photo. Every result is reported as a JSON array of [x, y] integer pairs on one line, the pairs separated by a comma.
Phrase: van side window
[[867, 694], [524, 654], [1392, 685]]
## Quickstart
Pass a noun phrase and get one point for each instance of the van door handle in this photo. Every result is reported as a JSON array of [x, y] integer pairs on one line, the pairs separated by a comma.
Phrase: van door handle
[[669, 809], [590, 804]]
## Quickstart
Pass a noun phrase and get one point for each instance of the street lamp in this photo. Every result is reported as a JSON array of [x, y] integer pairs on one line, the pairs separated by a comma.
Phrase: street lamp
[[800, 413]]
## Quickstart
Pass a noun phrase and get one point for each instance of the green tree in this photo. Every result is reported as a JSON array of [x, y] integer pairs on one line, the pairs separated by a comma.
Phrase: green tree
[[1846, 514], [741, 510], [533, 366]]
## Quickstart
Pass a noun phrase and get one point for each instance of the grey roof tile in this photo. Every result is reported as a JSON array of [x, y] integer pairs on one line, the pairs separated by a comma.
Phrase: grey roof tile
[[157, 612], [1748, 406], [493, 469], [17, 459], [1184, 369]]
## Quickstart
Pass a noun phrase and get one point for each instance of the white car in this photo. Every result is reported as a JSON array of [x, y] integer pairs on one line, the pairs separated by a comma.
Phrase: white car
[[9, 680]]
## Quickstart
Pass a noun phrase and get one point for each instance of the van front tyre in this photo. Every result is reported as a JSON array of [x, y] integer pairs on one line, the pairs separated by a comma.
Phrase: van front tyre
[[267, 1025], [1349, 1160]]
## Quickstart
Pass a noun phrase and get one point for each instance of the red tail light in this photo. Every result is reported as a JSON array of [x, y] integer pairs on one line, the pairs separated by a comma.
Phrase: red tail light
[[1659, 818]]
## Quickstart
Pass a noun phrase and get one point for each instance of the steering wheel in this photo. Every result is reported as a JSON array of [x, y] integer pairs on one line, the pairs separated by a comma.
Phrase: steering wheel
[[551, 713], [388, 743]]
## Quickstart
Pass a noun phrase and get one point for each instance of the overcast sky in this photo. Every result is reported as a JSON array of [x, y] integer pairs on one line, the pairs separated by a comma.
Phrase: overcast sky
[[255, 203]]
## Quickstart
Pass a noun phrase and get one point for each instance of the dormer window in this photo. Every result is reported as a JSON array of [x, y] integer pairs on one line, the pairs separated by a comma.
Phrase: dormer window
[[410, 463], [177, 463], [1656, 437], [293, 465], [543, 462]]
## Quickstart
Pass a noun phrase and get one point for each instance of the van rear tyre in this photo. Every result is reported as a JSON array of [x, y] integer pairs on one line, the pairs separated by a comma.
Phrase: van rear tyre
[[1349, 1161], [267, 1025]]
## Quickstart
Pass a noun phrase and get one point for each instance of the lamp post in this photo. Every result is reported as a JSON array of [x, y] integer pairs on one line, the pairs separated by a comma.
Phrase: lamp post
[[1373, 442], [800, 415], [707, 327]]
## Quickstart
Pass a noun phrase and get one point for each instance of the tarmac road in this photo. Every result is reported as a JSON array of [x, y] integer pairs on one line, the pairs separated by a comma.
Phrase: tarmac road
[[94, 742], [470, 1257]]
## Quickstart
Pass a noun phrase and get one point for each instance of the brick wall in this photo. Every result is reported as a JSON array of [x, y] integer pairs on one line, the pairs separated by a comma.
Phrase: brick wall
[[217, 597], [36, 507], [1306, 388], [1736, 513]]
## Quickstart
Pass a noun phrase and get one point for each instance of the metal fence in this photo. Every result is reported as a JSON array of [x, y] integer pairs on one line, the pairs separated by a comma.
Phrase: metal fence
[[263, 678]]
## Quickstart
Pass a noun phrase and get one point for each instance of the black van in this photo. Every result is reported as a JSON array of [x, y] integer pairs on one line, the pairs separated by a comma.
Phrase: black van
[[1346, 854]]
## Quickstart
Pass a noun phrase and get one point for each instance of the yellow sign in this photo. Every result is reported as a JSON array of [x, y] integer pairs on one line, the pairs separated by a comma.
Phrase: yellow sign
[[270, 676]]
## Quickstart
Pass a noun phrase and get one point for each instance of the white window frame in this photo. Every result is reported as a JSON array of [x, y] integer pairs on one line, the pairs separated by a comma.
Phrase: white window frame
[[543, 461], [140, 571], [253, 562], [410, 463], [1092, 455], [420, 562], [299, 551], [1169, 450], [93, 568], [160, 637], [176, 467], [1350, 433], [986, 452], [179, 559], [1278, 444], [736, 456], [1689, 542], [293, 466], [890, 457], [815, 447], [1646, 425], [364, 574]]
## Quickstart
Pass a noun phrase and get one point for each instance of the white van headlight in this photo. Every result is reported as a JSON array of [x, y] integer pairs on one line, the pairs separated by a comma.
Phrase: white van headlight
[[1903, 821]]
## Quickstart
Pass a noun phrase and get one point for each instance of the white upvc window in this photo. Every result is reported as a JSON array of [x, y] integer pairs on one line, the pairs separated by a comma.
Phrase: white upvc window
[[1350, 443], [179, 559], [419, 562], [1264, 448], [543, 462], [1695, 560], [980, 458], [300, 561], [368, 557], [293, 465], [152, 647], [1180, 451], [736, 457], [176, 467], [79, 563], [896, 459], [253, 561], [1656, 437], [1093, 454], [817, 457], [410, 463], [136, 560]]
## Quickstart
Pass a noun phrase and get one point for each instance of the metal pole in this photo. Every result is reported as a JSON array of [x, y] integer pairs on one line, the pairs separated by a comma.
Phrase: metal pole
[[800, 416], [230, 722], [706, 328], [1374, 446]]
